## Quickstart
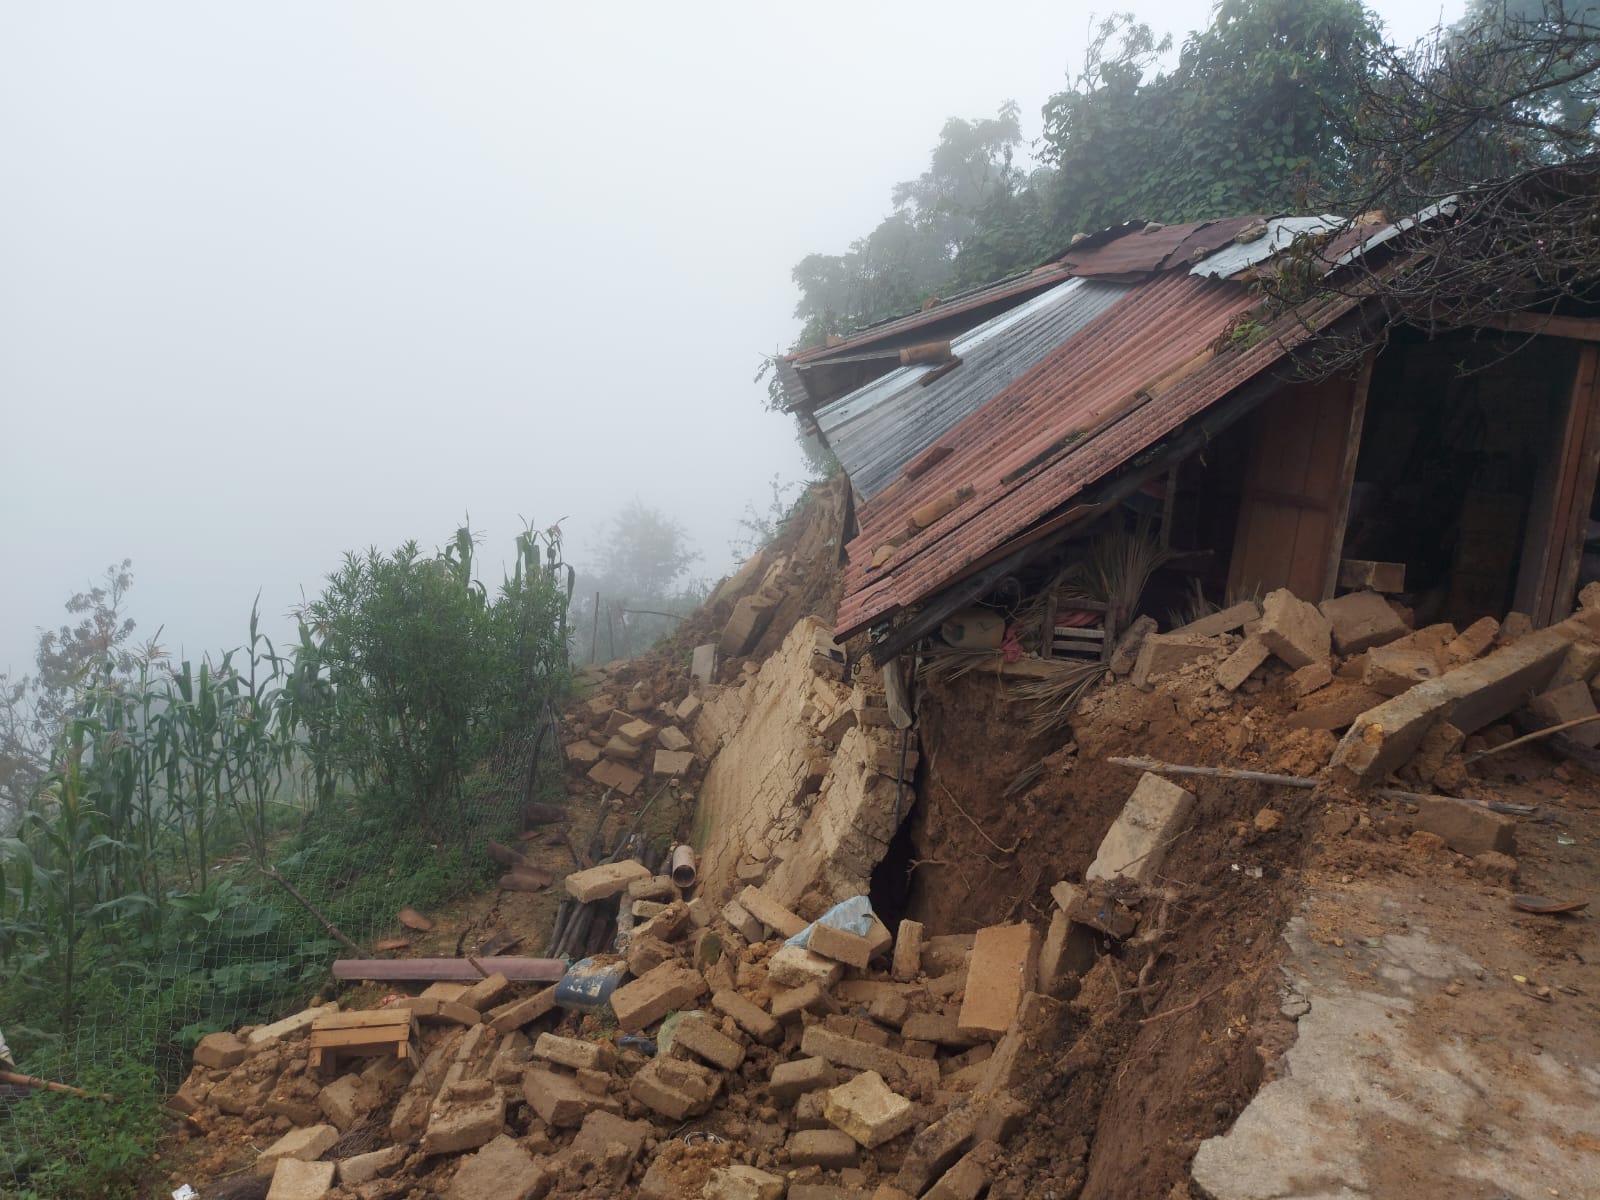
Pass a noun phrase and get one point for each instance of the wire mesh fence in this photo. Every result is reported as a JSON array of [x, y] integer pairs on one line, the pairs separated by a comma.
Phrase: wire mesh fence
[[249, 945]]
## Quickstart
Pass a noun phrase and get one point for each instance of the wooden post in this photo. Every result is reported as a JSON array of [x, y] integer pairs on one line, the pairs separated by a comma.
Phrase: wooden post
[[1347, 476], [594, 631]]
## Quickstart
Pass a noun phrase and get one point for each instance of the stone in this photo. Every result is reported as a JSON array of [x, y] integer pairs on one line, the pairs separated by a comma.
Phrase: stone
[[362, 1167], [829, 1149], [575, 1053], [220, 1051], [1395, 669], [1470, 696], [1473, 641], [748, 1016], [1126, 652], [868, 1110], [939, 1028], [795, 966], [646, 953], [808, 997], [1293, 629], [620, 749], [1136, 844], [1242, 663], [1375, 576], [293, 1179], [1068, 951], [821, 1042], [770, 913], [585, 753], [514, 1016], [1466, 828], [1516, 625], [701, 1038], [560, 1100], [307, 1145], [702, 669], [486, 993], [465, 1116], [1225, 621], [675, 1088], [347, 1100], [604, 881], [851, 949], [672, 738], [1163, 653], [636, 731], [1569, 702], [907, 963], [602, 1129], [748, 621], [1310, 679], [794, 1078], [741, 922], [1005, 967], [1338, 712], [672, 764], [1438, 744], [501, 1170], [945, 952], [298, 1023], [611, 774], [740, 1182], [435, 1011], [936, 1148], [1360, 621]]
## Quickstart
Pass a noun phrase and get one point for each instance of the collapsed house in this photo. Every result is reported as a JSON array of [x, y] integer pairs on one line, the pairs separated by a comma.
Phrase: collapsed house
[[957, 922]]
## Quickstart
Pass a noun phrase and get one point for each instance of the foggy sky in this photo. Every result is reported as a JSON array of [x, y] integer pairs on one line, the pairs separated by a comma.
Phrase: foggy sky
[[280, 280]]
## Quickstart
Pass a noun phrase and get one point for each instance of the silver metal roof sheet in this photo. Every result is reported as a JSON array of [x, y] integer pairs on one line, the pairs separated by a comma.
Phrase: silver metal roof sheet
[[1281, 231], [875, 430]]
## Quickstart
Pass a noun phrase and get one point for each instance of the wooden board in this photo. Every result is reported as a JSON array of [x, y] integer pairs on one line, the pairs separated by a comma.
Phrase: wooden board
[[459, 970], [362, 1019]]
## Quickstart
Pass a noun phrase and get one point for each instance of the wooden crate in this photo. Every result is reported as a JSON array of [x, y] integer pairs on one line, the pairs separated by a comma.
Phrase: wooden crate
[[382, 1031]]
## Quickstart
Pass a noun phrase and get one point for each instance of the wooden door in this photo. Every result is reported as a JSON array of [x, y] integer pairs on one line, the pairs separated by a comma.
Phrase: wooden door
[[1296, 493]]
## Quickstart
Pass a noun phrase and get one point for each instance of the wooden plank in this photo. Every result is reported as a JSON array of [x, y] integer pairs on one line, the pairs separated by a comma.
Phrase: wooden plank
[[325, 1038], [457, 970], [1553, 499], [1355, 425], [362, 1019], [1585, 473], [1582, 329]]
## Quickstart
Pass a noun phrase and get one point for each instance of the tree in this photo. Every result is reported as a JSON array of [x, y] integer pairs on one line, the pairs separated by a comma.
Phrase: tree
[[638, 572], [68, 660]]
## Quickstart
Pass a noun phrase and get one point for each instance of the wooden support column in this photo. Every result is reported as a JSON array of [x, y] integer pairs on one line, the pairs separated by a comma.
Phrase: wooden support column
[[1553, 553]]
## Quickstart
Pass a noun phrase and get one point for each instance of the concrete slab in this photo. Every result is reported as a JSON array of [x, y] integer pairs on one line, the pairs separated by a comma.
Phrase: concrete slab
[[1136, 844]]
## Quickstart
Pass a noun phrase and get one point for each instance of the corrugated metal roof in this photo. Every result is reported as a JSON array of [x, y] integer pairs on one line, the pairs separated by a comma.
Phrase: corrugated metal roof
[[877, 429], [1154, 248], [1281, 231], [1011, 287], [1132, 376]]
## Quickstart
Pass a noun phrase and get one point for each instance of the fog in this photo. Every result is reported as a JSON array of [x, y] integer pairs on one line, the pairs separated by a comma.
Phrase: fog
[[283, 280]]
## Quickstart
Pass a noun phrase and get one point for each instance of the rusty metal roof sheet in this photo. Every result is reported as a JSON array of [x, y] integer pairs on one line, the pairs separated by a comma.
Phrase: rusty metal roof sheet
[[876, 430], [1154, 247], [1132, 376]]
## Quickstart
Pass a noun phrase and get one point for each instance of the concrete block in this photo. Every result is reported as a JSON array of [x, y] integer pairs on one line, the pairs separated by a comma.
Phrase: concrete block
[[1163, 653], [298, 1023], [604, 881], [602, 1130], [830, 1149], [673, 738], [560, 1100], [796, 1077], [1294, 630], [1068, 951], [674, 1088], [513, 1016], [1310, 679], [486, 993], [795, 966], [770, 913], [842, 1051], [740, 1182], [575, 1053], [501, 1170], [1225, 621], [1568, 702], [620, 749], [347, 1100], [296, 1180], [1374, 576], [1336, 712], [851, 949], [868, 1110], [1136, 844], [748, 621], [220, 1051], [1126, 652], [583, 752], [808, 997], [1580, 665], [672, 764], [970, 1176], [1361, 620], [306, 1145], [647, 999], [1391, 670], [1005, 966], [610, 774], [700, 1037], [465, 1116], [908, 951], [936, 1148], [741, 922], [361, 1168], [1473, 641], [1244, 662], [1466, 828], [748, 1016]]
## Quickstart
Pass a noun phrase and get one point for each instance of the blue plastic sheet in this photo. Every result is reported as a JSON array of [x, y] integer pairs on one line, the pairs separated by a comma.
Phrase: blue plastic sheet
[[853, 916]]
